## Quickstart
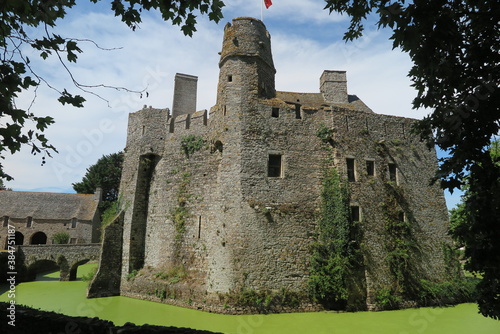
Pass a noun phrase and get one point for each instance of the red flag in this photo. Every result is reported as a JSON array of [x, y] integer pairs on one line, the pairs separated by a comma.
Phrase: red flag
[[268, 3]]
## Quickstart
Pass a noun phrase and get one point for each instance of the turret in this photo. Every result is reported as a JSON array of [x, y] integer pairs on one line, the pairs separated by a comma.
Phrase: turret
[[246, 63]]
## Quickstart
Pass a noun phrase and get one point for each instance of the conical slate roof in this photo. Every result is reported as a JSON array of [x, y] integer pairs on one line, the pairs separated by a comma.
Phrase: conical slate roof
[[41, 205]]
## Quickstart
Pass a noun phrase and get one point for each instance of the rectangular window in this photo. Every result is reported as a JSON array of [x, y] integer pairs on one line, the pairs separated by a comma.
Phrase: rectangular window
[[29, 222], [73, 222], [351, 174], [401, 216], [274, 168], [5, 221], [297, 112], [370, 167], [355, 214], [230, 78], [393, 171], [275, 112], [72, 240]]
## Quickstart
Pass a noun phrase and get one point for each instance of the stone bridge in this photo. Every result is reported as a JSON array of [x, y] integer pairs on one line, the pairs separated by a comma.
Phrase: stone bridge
[[36, 258]]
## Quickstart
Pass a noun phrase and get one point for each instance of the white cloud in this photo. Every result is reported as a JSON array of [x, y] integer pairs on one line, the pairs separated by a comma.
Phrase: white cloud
[[150, 57]]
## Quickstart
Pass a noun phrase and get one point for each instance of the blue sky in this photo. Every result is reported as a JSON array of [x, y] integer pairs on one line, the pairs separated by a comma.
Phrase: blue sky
[[305, 39]]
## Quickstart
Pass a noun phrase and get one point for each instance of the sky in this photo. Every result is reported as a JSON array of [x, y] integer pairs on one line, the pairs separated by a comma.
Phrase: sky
[[305, 39]]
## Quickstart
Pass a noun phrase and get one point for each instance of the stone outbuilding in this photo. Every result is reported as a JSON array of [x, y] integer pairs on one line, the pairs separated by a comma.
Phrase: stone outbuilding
[[37, 216]]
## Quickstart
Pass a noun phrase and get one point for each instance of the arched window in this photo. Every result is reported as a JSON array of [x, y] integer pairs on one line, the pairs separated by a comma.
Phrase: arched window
[[19, 237], [39, 238]]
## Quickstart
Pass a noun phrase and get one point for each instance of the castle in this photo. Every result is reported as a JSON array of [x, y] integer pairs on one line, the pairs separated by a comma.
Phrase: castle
[[228, 200]]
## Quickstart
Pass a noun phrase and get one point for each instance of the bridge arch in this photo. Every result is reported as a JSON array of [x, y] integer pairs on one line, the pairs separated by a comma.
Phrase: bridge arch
[[41, 265], [38, 238], [37, 258], [74, 268]]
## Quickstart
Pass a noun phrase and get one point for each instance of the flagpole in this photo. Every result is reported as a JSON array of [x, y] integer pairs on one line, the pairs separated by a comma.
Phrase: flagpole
[[262, 10]]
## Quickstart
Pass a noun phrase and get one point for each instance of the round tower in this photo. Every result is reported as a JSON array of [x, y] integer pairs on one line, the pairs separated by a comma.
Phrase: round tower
[[246, 63]]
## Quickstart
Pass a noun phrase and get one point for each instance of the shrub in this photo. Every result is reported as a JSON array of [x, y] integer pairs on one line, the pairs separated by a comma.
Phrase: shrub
[[132, 275], [324, 133], [191, 144], [387, 299], [90, 275], [448, 292], [61, 238]]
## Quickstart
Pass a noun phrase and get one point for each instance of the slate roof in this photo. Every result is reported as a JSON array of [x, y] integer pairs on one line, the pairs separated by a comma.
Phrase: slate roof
[[317, 101], [41, 205]]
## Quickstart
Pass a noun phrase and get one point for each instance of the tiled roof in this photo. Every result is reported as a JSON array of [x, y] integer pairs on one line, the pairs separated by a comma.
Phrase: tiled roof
[[316, 100], [41, 205]]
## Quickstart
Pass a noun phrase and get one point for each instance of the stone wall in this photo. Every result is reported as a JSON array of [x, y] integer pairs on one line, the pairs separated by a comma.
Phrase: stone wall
[[85, 231], [106, 281], [31, 259], [229, 203]]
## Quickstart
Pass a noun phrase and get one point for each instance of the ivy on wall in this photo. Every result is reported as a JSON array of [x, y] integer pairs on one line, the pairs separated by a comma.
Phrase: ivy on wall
[[400, 243], [180, 213], [335, 254], [191, 144]]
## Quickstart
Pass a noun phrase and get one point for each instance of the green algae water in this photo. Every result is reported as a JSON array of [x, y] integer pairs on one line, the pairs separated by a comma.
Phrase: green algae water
[[47, 293]]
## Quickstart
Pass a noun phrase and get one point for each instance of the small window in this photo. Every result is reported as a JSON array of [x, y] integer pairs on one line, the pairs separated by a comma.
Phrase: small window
[[351, 174], [199, 227], [401, 216], [274, 165], [355, 214], [297, 111], [370, 167], [73, 222], [5, 221], [275, 112], [393, 173], [29, 222], [230, 78], [72, 240], [143, 129]]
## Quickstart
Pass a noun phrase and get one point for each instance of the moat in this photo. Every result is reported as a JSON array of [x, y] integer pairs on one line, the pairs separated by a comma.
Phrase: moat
[[48, 293]]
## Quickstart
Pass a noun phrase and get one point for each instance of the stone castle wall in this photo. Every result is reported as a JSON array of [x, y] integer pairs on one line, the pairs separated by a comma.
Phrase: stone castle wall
[[239, 212]]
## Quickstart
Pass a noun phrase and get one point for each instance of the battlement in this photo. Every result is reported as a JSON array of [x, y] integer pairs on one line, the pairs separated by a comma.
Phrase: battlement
[[196, 122]]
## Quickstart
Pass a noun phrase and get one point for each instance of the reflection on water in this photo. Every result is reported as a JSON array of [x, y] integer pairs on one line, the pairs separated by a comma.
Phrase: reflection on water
[[48, 293], [52, 275]]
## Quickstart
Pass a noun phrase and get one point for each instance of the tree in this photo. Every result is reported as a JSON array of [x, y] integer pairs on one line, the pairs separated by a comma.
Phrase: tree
[[3, 187], [106, 174], [474, 224], [17, 74], [454, 46]]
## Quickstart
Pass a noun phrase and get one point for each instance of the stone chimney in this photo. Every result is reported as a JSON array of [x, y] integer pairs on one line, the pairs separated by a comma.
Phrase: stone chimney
[[98, 195], [333, 85], [185, 87]]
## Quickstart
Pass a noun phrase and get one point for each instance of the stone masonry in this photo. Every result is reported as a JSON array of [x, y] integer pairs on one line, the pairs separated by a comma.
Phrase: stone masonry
[[240, 211]]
